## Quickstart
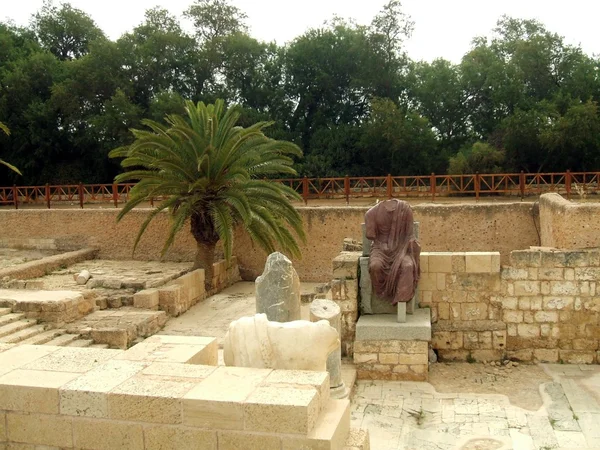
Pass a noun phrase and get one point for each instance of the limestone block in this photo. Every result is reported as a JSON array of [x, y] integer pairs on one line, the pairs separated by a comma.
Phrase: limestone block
[[2, 427], [527, 288], [545, 355], [278, 290], [72, 359], [526, 258], [385, 327], [564, 288], [577, 357], [32, 390], [231, 440], [440, 262], [96, 434], [370, 303], [301, 379], [168, 437], [474, 311], [330, 432], [40, 429], [358, 439], [345, 265], [446, 340], [528, 330], [174, 349], [193, 371], [513, 273], [149, 398], [87, 396], [217, 402], [115, 337], [546, 316], [257, 342], [170, 299], [16, 357], [281, 410], [148, 299]]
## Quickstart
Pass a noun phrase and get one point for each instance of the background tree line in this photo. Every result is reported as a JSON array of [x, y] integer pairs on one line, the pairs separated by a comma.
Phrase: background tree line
[[347, 94]]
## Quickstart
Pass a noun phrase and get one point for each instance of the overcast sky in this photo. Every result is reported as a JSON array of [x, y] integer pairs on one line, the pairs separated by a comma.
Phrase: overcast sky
[[443, 28]]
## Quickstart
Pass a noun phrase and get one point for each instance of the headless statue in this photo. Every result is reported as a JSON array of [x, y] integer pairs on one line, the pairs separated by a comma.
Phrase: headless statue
[[394, 259]]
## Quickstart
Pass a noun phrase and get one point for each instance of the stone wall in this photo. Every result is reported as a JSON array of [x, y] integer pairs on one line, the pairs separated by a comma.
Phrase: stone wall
[[542, 307], [165, 393], [444, 227], [551, 306], [569, 225], [392, 360]]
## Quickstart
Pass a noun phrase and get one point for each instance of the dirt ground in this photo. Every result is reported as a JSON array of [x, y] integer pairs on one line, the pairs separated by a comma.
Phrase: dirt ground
[[520, 384], [11, 256]]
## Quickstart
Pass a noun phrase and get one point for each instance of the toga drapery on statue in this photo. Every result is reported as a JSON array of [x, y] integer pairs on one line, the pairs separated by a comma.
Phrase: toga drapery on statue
[[394, 259]]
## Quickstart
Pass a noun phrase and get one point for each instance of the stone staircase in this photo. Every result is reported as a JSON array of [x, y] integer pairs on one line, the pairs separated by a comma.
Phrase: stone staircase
[[16, 329]]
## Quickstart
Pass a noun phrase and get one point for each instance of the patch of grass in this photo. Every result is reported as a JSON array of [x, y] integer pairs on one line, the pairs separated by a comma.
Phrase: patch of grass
[[552, 422], [470, 359]]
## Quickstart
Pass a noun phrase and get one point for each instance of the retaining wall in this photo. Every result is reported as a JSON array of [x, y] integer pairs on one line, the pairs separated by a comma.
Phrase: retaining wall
[[454, 227], [569, 225]]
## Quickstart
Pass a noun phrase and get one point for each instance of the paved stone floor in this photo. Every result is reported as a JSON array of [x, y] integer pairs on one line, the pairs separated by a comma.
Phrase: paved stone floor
[[212, 316], [111, 274], [411, 415]]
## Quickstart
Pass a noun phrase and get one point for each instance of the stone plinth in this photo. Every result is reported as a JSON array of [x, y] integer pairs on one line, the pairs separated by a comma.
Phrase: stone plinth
[[384, 326], [387, 350]]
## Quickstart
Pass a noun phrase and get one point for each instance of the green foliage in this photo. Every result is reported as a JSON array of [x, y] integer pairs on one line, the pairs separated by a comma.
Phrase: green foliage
[[478, 158], [207, 169], [5, 129], [346, 93]]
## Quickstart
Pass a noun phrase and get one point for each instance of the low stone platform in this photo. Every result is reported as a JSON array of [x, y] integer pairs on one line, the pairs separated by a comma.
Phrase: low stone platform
[[135, 399], [56, 307], [119, 328]]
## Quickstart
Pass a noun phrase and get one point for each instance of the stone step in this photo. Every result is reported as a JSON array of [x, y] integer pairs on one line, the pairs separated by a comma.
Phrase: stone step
[[10, 318], [13, 327], [80, 343], [44, 337], [5, 311], [99, 346], [63, 340], [23, 334]]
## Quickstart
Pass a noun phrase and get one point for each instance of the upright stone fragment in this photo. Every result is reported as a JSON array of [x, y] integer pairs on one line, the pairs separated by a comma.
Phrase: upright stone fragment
[[278, 290], [321, 309]]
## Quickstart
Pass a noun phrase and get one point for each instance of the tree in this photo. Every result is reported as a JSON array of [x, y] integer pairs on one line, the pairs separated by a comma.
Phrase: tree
[[210, 171], [67, 32], [216, 19], [10, 166], [481, 157]]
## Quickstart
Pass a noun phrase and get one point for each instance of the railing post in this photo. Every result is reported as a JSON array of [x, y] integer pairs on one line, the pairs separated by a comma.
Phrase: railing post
[[568, 183], [522, 184], [81, 195], [477, 186], [152, 202], [347, 189], [15, 198], [432, 186], [48, 195], [305, 190], [389, 186], [115, 193]]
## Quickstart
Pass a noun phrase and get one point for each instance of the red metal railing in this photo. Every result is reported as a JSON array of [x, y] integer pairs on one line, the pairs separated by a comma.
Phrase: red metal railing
[[431, 186]]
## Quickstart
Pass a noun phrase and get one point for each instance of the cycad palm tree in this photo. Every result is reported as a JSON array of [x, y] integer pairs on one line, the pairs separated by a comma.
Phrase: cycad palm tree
[[210, 171], [10, 166]]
